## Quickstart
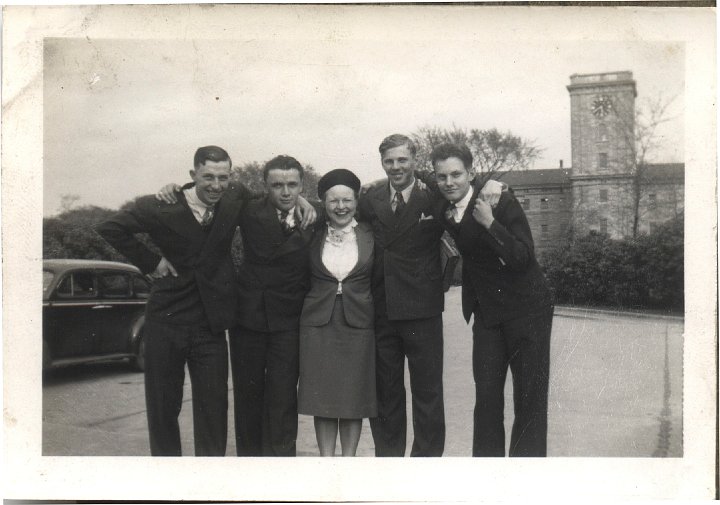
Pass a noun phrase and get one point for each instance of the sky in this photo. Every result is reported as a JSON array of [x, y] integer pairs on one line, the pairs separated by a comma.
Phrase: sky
[[123, 117]]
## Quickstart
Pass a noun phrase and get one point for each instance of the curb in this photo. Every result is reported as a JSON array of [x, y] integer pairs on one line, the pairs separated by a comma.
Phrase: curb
[[569, 309]]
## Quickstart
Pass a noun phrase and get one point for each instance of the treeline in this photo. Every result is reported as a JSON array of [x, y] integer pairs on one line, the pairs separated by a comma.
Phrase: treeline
[[592, 270], [71, 233]]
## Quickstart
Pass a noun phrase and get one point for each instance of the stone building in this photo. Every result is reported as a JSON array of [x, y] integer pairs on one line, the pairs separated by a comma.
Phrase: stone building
[[596, 193]]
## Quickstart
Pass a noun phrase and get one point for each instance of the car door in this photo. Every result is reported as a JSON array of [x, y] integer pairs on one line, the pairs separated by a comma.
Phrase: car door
[[69, 320], [121, 312]]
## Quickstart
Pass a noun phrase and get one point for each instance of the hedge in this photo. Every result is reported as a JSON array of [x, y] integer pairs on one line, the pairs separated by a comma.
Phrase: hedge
[[641, 273]]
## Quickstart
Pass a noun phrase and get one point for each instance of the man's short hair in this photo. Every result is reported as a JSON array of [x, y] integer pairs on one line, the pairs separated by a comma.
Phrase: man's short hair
[[450, 150], [211, 153], [397, 140], [282, 162]]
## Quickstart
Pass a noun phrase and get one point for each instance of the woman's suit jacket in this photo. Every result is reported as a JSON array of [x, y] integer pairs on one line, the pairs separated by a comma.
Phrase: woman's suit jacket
[[357, 298]]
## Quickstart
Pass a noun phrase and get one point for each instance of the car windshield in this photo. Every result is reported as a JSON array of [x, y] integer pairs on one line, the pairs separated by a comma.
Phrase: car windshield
[[48, 277]]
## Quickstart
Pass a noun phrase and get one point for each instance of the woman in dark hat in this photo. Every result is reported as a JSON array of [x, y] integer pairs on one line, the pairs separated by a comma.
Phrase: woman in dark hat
[[337, 341]]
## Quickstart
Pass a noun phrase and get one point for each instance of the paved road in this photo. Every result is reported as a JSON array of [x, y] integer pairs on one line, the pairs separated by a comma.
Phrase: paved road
[[615, 390]]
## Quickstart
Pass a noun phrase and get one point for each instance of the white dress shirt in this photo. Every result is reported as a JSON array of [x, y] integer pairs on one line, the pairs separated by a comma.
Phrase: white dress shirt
[[290, 217], [197, 206], [340, 253], [461, 205], [405, 193]]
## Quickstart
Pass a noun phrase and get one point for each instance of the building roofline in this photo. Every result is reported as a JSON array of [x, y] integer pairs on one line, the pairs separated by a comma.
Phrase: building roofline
[[599, 79], [602, 73]]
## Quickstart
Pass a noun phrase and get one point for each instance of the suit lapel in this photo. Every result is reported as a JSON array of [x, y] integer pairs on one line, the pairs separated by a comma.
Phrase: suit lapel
[[365, 247], [440, 209], [181, 219], [317, 252], [468, 218], [381, 204], [410, 216], [298, 239], [224, 222]]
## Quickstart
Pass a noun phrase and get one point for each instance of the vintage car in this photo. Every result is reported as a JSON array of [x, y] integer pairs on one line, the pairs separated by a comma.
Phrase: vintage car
[[93, 311]]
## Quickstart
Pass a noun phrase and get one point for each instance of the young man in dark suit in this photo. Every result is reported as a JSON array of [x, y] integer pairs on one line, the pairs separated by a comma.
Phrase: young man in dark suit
[[409, 301], [506, 292], [192, 302], [273, 280]]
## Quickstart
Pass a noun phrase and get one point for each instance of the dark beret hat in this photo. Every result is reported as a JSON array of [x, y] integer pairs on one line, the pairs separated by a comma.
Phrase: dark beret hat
[[335, 177]]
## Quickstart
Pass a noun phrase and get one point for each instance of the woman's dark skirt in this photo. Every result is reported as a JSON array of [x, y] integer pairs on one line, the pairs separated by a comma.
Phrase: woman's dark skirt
[[337, 369]]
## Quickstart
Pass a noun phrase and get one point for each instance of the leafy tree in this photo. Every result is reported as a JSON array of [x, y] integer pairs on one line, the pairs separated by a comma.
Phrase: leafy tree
[[71, 234], [492, 149], [67, 201], [251, 175]]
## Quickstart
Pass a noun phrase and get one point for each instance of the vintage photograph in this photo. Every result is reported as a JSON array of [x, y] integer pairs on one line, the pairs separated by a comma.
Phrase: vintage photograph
[[388, 232]]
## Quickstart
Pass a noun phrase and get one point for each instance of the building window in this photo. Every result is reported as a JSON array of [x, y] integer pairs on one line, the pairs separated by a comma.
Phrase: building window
[[78, 285], [652, 200], [603, 225], [602, 133], [544, 229], [602, 160], [526, 204], [603, 195], [544, 203], [115, 285]]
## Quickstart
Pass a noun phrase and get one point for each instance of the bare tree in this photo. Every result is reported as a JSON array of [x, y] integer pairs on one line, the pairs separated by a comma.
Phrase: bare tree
[[492, 149], [641, 132]]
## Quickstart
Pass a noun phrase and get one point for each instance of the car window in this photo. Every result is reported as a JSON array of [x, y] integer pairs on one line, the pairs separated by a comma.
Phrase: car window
[[115, 285], [48, 277], [141, 287], [78, 285]]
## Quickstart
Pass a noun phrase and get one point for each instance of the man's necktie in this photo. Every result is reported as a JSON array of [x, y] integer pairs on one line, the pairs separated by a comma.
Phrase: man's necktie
[[450, 213], [399, 203], [286, 228], [208, 216]]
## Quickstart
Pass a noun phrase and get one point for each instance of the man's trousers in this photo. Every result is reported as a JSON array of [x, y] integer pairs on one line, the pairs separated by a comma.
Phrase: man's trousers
[[523, 344], [421, 341], [168, 348], [265, 367]]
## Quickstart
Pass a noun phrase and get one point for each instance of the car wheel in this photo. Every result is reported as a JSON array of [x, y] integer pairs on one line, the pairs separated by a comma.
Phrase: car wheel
[[138, 361], [46, 357]]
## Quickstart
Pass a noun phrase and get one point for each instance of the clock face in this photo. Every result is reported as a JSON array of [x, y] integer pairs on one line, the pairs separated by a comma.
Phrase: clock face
[[601, 106]]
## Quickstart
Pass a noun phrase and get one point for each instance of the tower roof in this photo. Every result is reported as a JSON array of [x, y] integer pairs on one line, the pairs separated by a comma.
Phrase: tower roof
[[604, 79]]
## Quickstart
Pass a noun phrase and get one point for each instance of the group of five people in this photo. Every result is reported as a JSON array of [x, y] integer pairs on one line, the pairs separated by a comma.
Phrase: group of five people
[[330, 300]]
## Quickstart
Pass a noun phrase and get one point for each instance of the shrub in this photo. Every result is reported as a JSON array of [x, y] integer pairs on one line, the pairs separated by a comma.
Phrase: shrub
[[594, 269]]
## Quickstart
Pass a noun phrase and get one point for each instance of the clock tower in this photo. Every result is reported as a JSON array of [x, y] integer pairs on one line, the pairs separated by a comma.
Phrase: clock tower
[[602, 119], [602, 126]]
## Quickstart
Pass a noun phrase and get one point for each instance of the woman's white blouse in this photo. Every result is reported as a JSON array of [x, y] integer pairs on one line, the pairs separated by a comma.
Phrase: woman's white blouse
[[340, 254]]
